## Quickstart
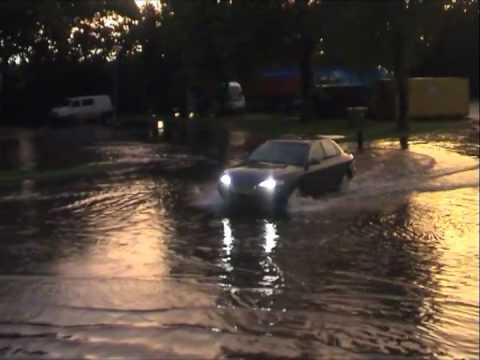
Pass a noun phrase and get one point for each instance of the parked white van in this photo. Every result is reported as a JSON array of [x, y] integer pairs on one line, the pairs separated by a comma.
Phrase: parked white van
[[84, 108], [235, 97]]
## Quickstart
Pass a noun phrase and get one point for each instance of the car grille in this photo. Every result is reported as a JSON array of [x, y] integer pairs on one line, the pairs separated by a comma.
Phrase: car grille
[[244, 183]]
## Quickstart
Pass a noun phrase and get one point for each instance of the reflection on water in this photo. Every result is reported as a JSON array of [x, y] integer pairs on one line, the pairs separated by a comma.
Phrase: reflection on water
[[227, 237], [227, 245], [48, 149], [137, 251], [456, 268], [26, 152], [271, 236], [124, 266]]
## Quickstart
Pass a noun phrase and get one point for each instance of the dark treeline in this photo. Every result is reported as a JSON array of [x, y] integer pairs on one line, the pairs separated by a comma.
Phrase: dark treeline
[[52, 49]]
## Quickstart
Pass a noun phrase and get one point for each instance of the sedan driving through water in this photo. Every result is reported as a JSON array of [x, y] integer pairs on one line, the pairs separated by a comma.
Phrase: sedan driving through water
[[279, 167]]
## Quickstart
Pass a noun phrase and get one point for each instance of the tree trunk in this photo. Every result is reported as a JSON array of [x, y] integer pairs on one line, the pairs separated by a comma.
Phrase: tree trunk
[[307, 46], [404, 39], [402, 91], [306, 68], [401, 79]]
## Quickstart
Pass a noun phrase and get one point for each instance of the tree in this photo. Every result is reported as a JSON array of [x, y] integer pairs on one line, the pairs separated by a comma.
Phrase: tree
[[42, 29], [209, 42], [397, 34], [308, 30], [39, 43]]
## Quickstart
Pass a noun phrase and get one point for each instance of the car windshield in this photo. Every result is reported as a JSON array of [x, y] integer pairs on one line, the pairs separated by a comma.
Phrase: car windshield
[[235, 92], [281, 152]]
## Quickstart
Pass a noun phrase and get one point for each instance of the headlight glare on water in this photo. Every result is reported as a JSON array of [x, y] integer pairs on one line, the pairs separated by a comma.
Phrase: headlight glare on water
[[226, 180]]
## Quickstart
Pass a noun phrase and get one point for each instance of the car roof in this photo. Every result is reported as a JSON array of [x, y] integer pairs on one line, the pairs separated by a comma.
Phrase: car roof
[[313, 138], [86, 97], [234, 84], [308, 141], [292, 141]]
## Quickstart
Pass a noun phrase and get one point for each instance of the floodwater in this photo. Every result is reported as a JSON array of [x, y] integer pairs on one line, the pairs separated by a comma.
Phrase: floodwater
[[143, 262]]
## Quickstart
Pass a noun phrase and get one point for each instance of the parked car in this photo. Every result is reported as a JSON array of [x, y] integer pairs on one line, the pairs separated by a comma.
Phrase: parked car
[[235, 97], [229, 98], [83, 108], [278, 167]]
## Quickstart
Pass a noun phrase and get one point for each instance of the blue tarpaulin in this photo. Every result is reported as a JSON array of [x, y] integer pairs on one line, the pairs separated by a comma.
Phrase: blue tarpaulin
[[333, 75]]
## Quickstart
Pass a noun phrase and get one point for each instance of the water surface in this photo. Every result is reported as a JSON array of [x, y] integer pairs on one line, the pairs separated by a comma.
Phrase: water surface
[[145, 262]]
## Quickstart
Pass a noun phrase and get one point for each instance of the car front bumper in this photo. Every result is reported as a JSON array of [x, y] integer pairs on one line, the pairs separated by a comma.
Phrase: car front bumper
[[253, 197]]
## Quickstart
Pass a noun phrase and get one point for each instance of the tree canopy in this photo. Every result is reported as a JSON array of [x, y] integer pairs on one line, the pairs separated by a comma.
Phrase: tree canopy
[[185, 43], [44, 30]]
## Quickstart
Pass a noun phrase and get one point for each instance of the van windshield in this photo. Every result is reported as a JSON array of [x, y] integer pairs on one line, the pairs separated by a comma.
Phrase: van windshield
[[64, 102], [235, 92]]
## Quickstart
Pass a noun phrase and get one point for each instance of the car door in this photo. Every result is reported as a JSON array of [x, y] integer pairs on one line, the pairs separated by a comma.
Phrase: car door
[[75, 109], [88, 111], [334, 167], [313, 182]]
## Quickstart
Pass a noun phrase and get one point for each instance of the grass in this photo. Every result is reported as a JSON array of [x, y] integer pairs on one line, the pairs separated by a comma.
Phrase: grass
[[274, 125]]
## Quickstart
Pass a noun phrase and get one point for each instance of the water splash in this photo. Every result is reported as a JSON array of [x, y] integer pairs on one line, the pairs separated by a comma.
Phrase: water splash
[[207, 197], [385, 176], [383, 184]]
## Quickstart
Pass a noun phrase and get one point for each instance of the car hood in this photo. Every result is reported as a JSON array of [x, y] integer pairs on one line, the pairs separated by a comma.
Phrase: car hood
[[253, 174]]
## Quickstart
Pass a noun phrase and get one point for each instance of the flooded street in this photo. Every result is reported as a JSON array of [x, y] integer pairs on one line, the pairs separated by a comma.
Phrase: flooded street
[[144, 262]]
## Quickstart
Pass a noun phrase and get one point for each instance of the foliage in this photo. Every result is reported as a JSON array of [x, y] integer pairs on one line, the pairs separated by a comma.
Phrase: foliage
[[198, 43], [398, 34], [44, 30]]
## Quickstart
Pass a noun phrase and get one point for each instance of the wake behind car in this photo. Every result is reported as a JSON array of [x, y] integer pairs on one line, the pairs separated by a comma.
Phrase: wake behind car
[[278, 167]]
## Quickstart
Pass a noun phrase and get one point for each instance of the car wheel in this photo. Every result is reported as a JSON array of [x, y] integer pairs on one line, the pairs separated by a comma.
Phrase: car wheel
[[351, 170], [301, 190], [281, 202], [344, 183]]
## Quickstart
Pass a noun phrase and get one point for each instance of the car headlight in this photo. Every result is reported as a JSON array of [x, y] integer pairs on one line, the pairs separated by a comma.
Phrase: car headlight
[[226, 180], [270, 184]]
